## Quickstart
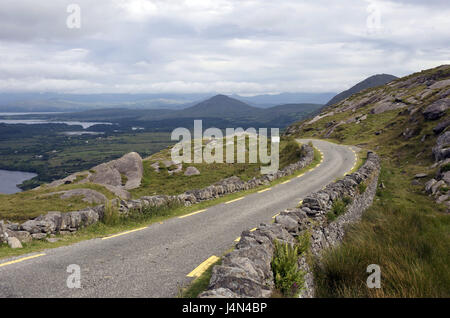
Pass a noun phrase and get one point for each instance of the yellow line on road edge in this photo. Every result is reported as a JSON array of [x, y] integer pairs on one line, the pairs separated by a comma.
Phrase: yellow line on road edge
[[238, 239], [123, 233], [21, 260], [261, 191], [203, 267], [273, 217], [253, 230], [287, 181], [193, 213], [234, 200]]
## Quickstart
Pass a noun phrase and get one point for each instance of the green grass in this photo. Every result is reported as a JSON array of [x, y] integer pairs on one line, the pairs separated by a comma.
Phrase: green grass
[[100, 229]]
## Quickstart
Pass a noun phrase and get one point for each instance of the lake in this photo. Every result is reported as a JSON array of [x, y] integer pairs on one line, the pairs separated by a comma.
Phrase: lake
[[38, 121], [83, 124], [10, 179]]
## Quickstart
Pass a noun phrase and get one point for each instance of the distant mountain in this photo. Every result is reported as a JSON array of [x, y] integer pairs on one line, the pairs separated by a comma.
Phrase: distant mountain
[[220, 106], [373, 81], [45, 102], [218, 111], [227, 108], [267, 100]]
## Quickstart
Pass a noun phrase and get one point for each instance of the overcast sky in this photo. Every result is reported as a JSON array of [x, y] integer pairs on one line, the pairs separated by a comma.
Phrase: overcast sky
[[225, 46]]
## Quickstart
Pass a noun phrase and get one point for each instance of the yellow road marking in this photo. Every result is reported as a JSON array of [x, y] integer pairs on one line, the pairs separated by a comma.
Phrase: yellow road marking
[[300, 202], [287, 181], [234, 200], [123, 233], [203, 267], [253, 230], [273, 217], [300, 175], [238, 239], [261, 191], [193, 213], [21, 260]]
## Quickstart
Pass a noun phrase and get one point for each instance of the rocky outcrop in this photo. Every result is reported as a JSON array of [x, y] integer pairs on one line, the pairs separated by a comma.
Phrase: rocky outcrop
[[246, 272], [437, 109], [90, 196], [438, 186], [421, 96], [112, 173], [441, 150], [118, 176], [61, 223]]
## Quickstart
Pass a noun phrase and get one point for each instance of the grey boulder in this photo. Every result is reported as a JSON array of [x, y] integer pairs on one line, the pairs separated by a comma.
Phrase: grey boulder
[[14, 242], [191, 171]]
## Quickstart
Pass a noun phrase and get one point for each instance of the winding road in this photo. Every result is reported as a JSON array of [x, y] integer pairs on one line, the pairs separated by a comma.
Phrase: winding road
[[155, 261]]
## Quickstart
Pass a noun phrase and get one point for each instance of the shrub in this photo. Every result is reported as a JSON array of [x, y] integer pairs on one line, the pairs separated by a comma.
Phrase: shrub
[[338, 208], [289, 279], [303, 242]]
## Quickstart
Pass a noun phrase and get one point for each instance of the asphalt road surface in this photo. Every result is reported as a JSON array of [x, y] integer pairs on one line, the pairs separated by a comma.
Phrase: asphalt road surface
[[155, 261]]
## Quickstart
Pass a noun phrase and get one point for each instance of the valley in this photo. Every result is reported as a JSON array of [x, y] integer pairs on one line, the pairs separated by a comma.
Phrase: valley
[[54, 150]]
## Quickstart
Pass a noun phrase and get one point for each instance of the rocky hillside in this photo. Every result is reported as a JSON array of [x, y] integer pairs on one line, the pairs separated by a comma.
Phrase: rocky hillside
[[372, 81], [406, 122], [408, 112]]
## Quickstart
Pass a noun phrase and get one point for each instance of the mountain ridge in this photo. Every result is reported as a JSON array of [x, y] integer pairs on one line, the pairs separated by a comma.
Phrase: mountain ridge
[[370, 82]]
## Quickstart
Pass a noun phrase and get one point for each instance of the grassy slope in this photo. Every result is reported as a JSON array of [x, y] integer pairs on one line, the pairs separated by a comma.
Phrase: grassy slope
[[404, 232]]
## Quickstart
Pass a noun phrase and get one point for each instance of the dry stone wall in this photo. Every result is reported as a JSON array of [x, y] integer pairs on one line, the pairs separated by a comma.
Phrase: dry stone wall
[[246, 271], [62, 223]]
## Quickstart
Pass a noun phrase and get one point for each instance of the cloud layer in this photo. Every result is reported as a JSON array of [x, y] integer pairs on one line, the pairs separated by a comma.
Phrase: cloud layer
[[227, 46]]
